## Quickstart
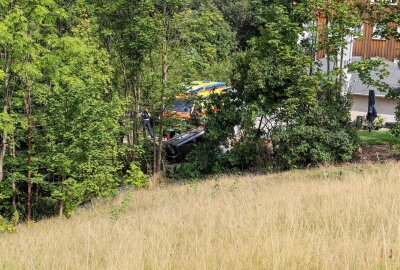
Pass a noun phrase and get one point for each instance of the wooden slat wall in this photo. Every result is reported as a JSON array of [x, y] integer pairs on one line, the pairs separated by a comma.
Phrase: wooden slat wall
[[368, 47], [321, 25]]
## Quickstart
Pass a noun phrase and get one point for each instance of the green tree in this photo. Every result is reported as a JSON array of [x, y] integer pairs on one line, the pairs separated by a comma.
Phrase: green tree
[[61, 112], [129, 33], [241, 17], [80, 130], [24, 29]]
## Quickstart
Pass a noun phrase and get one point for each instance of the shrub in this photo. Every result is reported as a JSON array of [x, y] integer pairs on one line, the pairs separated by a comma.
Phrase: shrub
[[395, 150], [395, 130], [136, 178], [9, 226], [379, 121], [300, 146]]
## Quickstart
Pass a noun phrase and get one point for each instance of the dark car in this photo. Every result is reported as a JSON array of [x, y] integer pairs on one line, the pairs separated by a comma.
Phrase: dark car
[[179, 146]]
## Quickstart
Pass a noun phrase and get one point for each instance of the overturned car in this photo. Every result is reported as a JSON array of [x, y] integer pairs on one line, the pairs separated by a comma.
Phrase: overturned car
[[177, 148]]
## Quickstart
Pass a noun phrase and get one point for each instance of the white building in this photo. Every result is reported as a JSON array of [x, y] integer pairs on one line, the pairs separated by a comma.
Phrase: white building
[[359, 93]]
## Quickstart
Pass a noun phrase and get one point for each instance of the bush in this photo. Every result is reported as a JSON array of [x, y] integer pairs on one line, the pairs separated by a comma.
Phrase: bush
[[243, 155], [135, 177], [379, 121], [300, 146], [203, 160], [395, 130], [9, 226], [395, 150], [210, 158]]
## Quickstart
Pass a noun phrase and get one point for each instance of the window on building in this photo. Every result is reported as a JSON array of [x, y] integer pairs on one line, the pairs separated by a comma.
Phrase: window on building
[[329, 29], [390, 2], [376, 32]]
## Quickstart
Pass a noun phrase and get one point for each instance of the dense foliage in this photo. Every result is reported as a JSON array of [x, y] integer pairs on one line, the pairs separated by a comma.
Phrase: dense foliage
[[290, 111], [75, 76]]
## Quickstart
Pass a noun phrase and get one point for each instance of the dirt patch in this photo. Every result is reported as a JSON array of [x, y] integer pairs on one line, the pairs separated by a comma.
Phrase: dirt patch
[[374, 153]]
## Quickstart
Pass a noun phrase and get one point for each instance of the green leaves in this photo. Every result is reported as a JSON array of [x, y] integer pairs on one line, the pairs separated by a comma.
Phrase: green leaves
[[371, 73], [6, 226], [135, 177], [7, 122], [50, 48], [201, 44]]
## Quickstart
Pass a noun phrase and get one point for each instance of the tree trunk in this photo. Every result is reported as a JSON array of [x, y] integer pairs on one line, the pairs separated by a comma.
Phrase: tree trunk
[[14, 199], [164, 79], [328, 53], [14, 188], [29, 208], [154, 154], [126, 88], [340, 76], [136, 112], [61, 210], [28, 112], [6, 105], [162, 101]]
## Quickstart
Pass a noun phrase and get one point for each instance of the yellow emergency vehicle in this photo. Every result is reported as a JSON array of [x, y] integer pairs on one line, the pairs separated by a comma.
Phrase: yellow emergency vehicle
[[185, 107]]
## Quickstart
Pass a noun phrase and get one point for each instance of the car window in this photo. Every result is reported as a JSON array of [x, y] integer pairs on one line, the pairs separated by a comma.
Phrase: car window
[[181, 106]]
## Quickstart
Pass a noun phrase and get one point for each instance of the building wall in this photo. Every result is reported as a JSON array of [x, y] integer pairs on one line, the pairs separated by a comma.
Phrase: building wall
[[367, 47], [385, 107]]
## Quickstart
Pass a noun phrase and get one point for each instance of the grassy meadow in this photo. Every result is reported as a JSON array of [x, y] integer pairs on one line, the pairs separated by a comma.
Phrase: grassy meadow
[[326, 218]]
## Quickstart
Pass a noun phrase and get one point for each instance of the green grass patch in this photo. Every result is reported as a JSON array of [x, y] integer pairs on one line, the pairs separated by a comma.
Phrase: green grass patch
[[377, 137]]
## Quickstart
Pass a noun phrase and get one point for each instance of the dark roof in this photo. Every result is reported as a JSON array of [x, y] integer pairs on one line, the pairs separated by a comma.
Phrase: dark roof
[[356, 87]]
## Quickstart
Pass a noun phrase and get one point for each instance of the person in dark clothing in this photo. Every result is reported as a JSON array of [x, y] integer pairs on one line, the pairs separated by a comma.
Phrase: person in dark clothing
[[146, 121]]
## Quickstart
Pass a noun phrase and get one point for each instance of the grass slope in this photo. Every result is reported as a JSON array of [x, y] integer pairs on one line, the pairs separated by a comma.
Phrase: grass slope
[[329, 218]]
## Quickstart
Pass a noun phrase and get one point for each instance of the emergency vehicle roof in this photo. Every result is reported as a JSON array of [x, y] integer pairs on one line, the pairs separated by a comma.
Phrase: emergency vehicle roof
[[197, 86]]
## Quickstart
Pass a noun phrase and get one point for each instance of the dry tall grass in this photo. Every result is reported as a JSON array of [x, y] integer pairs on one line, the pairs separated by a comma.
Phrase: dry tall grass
[[331, 218]]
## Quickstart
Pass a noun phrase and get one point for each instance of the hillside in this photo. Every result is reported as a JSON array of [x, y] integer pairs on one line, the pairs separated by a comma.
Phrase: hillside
[[328, 218]]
